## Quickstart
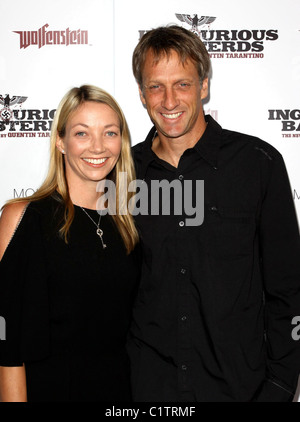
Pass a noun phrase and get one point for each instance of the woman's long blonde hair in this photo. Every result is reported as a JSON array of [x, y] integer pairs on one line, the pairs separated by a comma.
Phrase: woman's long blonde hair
[[56, 178]]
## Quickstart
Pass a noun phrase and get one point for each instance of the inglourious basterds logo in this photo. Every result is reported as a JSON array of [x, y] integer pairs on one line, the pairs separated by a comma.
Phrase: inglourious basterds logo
[[289, 121], [18, 122], [227, 43]]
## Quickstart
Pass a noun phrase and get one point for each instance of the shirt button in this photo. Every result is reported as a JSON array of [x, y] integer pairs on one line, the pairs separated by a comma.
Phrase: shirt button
[[214, 208], [180, 177], [183, 318], [183, 270], [181, 223], [184, 367]]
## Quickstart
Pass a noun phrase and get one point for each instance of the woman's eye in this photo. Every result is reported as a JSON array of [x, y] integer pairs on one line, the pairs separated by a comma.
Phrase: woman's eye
[[80, 134], [111, 134]]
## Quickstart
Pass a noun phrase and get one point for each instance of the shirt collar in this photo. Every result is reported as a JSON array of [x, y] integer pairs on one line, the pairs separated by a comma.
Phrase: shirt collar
[[147, 155], [207, 146]]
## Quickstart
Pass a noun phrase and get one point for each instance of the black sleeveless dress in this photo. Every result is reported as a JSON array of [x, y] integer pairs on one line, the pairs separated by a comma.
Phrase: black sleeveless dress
[[67, 307]]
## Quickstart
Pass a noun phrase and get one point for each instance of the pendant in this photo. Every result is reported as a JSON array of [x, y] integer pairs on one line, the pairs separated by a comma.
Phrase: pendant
[[100, 234]]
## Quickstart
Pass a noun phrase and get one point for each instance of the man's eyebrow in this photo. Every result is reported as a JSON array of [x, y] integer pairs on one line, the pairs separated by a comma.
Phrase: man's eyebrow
[[153, 82]]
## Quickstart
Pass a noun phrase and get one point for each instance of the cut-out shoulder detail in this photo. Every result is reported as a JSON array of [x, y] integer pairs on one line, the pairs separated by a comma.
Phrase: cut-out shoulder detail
[[9, 223]]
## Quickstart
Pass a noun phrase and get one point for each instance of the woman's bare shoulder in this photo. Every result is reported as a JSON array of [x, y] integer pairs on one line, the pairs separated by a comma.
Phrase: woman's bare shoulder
[[9, 220]]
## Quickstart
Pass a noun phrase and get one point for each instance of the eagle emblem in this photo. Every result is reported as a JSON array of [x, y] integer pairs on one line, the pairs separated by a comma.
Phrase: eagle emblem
[[194, 20], [7, 101]]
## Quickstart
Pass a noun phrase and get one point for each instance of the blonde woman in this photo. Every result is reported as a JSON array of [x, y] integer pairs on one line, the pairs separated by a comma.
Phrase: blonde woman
[[69, 271]]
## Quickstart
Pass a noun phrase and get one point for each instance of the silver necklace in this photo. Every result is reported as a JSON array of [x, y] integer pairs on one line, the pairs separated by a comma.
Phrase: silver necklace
[[98, 231]]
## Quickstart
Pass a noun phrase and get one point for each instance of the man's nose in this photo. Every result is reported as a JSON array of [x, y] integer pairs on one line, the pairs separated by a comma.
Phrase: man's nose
[[170, 100]]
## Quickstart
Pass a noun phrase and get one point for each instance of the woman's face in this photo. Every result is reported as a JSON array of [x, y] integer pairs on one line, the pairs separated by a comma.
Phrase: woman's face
[[92, 143]]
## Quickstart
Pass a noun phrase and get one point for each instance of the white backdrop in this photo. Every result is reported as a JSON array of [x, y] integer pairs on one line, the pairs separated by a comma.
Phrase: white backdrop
[[47, 47]]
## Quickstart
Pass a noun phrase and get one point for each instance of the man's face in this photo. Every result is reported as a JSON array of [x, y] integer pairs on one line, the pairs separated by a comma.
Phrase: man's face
[[173, 96]]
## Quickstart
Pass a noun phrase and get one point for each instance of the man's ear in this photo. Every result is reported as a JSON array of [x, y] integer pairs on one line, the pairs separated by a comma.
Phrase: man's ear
[[142, 96], [204, 89]]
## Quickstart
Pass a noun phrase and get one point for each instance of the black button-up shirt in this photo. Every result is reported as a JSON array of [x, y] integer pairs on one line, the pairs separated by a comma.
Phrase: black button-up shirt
[[213, 316]]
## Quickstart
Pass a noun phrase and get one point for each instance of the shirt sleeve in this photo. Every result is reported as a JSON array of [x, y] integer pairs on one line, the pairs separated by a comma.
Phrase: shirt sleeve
[[23, 295], [280, 260]]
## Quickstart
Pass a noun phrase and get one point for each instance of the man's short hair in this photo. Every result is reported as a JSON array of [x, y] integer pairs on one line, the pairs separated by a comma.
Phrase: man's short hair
[[165, 39]]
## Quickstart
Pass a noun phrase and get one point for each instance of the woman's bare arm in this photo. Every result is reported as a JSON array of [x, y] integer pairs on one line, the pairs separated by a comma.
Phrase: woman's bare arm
[[13, 384], [8, 223], [12, 379]]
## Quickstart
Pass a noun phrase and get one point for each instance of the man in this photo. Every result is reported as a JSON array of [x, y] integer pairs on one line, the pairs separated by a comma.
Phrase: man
[[213, 316]]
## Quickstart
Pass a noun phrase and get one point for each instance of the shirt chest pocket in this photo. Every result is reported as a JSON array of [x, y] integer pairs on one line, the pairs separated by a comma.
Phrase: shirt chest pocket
[[229, 232]]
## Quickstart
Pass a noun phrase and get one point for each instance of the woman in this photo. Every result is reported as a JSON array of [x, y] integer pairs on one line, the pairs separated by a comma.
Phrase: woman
[[68, 273]]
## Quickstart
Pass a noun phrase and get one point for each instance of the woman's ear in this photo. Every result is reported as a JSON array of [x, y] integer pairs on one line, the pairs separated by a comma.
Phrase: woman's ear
[[60, 144]]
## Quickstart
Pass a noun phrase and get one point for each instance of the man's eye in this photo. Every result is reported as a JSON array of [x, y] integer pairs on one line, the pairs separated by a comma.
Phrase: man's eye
[[154, 87], [184, 85]]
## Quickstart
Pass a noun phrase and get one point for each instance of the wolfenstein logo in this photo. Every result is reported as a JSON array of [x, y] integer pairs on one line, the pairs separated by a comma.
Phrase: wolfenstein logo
[[5, 113], [41, 37]]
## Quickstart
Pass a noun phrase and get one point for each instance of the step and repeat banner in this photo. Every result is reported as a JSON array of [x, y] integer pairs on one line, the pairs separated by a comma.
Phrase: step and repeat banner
[[47, 47]]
